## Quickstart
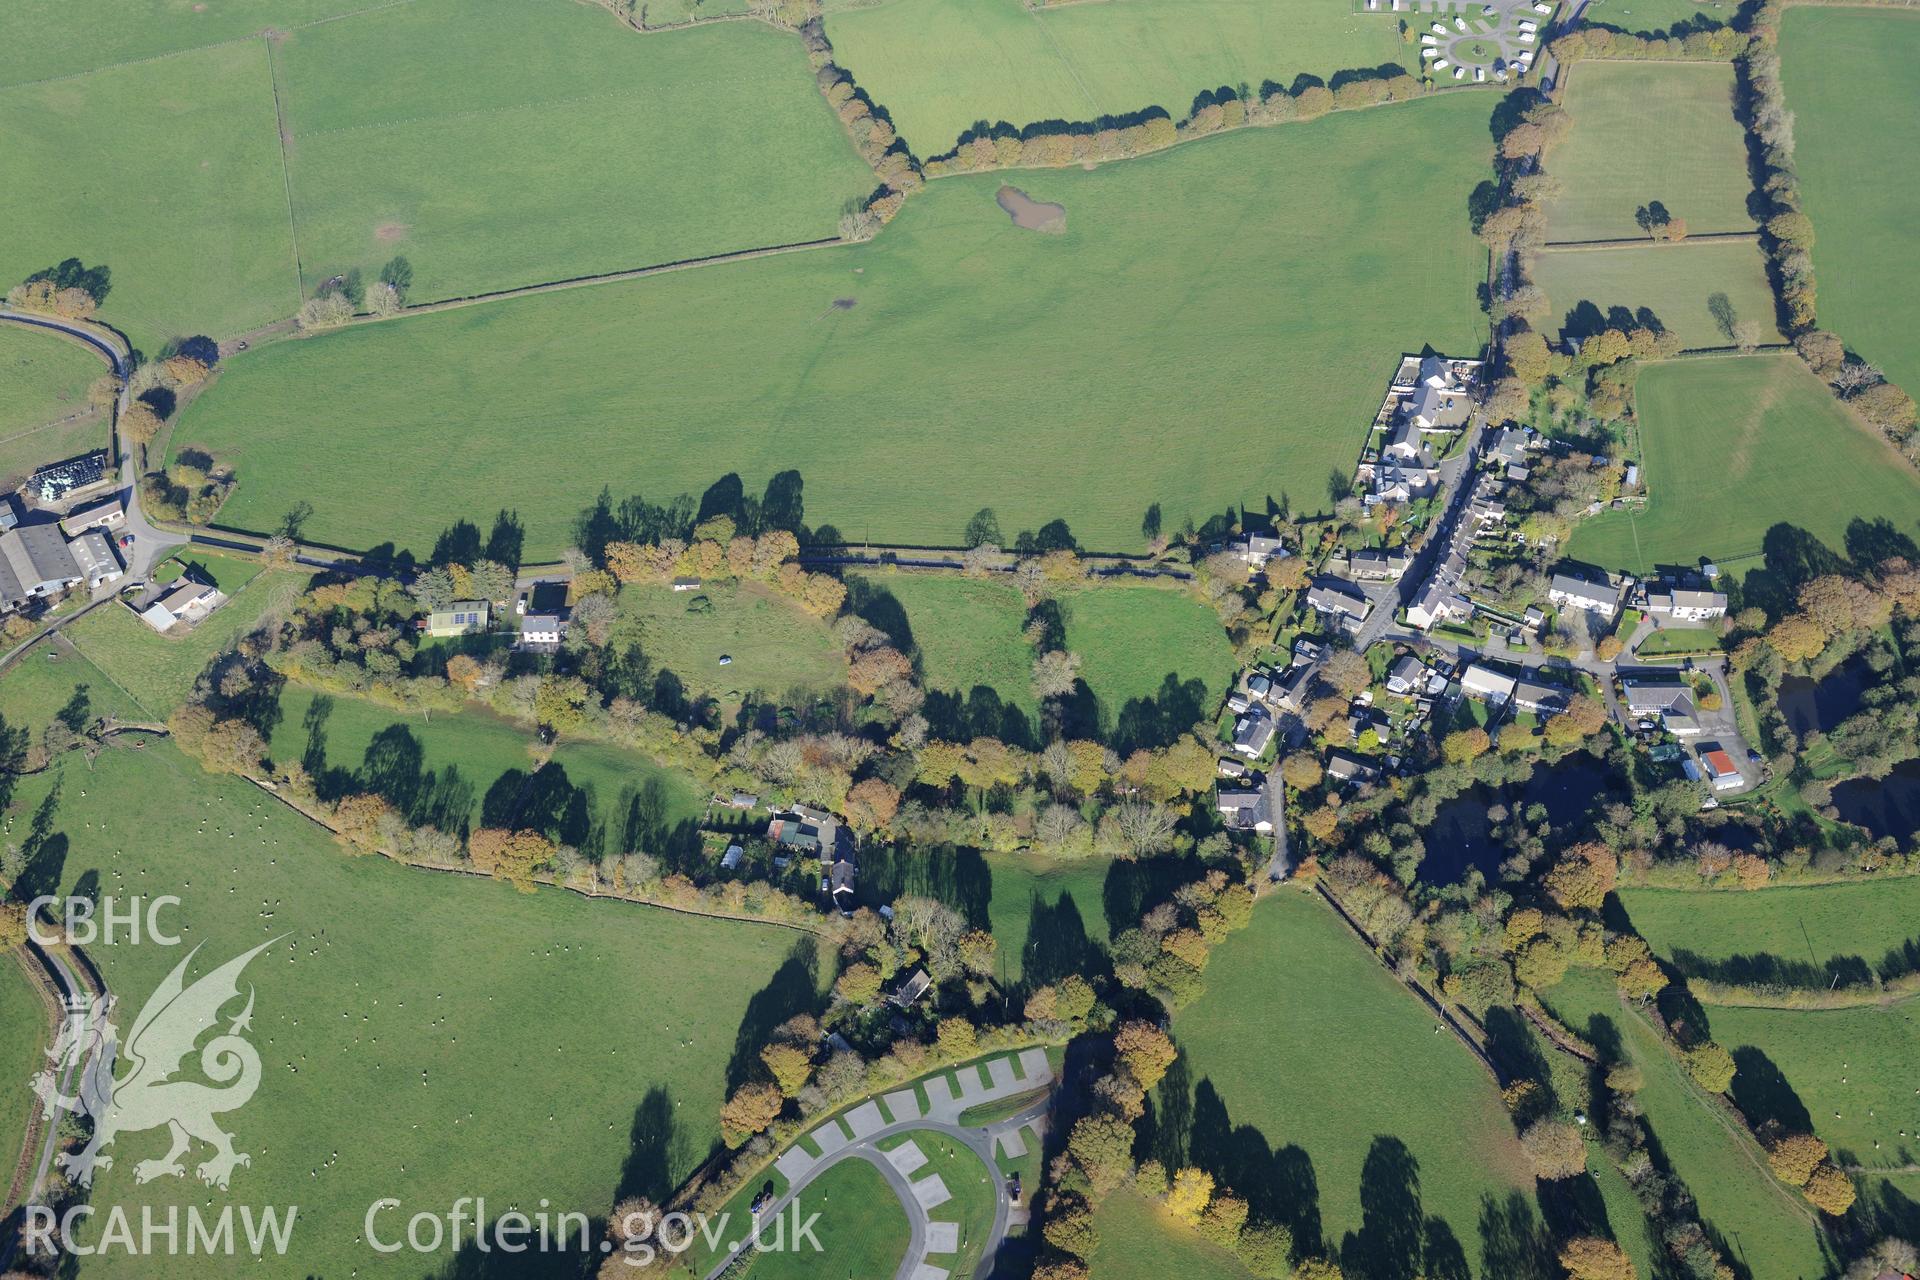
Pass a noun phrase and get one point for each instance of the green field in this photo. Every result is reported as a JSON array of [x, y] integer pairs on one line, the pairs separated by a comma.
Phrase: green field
[[1767, 1228], [1340, 1088], [39, 685], [1847, 71], [1698, 169], [452, 1019], [938, 66], [1810, 924], [51, 38], [1133, 640], [1138, 1241], [1658, 16], [1676, 282], [408, 139], [1067, 897], [776, 646], [1848, 1071], [1733, 447], [167, 172], [662, 385], [967, 632], [23, 1038], [450, 764], [158, 670], [44, 413]]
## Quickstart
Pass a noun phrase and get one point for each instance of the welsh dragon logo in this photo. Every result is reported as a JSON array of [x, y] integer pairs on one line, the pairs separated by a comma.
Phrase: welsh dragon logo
[[146, 1095]]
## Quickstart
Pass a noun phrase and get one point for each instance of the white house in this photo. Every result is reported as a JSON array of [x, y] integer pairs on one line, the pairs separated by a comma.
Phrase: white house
[[539, 629], [187, 602], [1688, 604], [1571, 592], [1486, 684], [1252, 732]]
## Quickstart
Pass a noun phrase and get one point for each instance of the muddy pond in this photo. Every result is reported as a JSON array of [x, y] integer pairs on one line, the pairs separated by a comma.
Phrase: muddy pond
[[1034, 215]]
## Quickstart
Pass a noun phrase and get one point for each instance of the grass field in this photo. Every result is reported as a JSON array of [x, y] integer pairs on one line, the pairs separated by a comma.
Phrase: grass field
[[1766, 1227], [407, 138], [1334, 1096], [1132, 640], [1698, 169], [23, 1038], [51, 38], [41, 682], [1062, 894], [1867, 920], [453, 1019], [44, 378], [660, 385], [971, 1208], [1848, 1075], [167, 172], [1733, 447], [1658, 15], [862, 1228], [967, 632], [1846, 72], [1676, 282], [1140, 1242], [938, 66], [157, 670], [451, 765], [776, 646]]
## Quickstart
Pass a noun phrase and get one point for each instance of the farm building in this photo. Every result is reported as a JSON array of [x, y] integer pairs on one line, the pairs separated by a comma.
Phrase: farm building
[[34, 562]]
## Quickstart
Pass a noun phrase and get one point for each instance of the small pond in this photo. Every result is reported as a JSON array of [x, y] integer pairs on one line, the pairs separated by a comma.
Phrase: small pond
[[1822, 704], [1888, 806]]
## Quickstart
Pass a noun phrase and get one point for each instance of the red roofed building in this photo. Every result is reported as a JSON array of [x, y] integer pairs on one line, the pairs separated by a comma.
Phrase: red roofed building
[[1721, 769]]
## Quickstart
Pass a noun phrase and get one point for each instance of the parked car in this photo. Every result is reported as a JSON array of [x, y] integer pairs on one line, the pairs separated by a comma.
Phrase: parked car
[[126, 540]]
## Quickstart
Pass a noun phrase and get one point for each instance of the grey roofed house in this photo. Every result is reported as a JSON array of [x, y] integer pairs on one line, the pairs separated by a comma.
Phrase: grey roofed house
[[911, 990], [1373, 562], [34, 561], [1252, 732], [1292, 688], [1583, 593], [1406, 675], [1537, 695], [94, 558], [1257, 548], [1339, 600], [1665, 696], [840, 878], [1510, 446], [1487, 684], [539, 628], [1344, 766], [1250, 808], [184, 601]]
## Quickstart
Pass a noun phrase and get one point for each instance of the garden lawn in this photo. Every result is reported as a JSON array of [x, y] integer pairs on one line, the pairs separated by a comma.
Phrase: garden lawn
[[938, 66], [445, 130], [1139, 1241], [1738, 1197], [1699, 289], [1697, 169], [23, 1040], [886, 404], [776, 646], [1306, 1039], [169, 173], [967, 632], [1679, 640], [464, 1027], [1867, 919], [1133, 641], [43, 379], [471, 769], [862, 1228], [1043, 907], [158, 670], [1848, 72], [1735, 446], [1848, 1075]]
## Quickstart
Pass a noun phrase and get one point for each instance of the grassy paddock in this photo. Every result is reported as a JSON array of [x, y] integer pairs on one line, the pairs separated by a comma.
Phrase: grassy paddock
[[52, 38], [663, 384], [1658, 16], [1133, 640], [940, 65], [968, 633], [1042, 907], [1811, 924], [169, 173], [454, 1018], [1735, 446], [443, 129], [44, 378], [1848, 72], [1737, 1196], [1678, 283], [1697, 166], [1138, 1241], [23, 1038], [776, 646], [158, 670], [1329, 1100]]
